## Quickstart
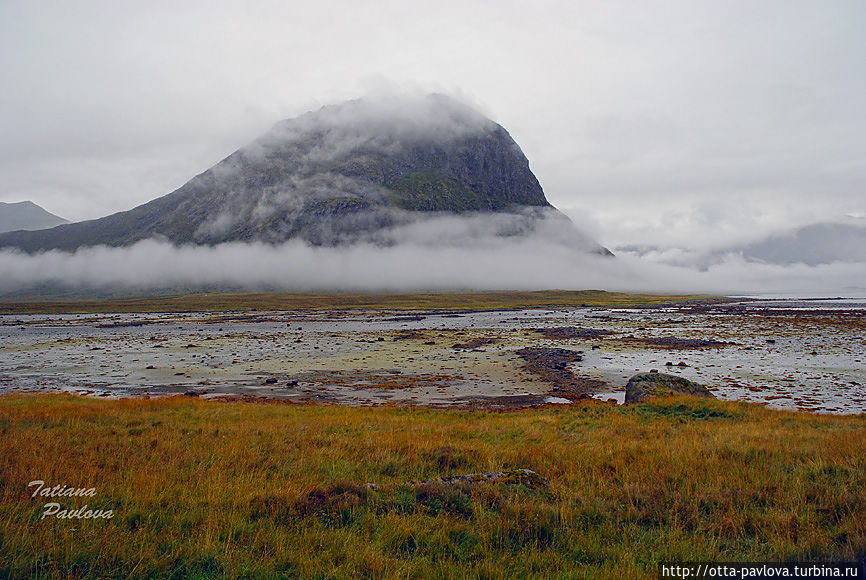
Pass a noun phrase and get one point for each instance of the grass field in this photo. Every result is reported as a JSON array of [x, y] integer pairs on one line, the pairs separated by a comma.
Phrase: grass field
[[201, 489], [283, 301]]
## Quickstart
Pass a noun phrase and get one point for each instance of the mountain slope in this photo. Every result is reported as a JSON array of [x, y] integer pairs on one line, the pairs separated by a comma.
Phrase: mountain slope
[[26, 215], [343, 174]]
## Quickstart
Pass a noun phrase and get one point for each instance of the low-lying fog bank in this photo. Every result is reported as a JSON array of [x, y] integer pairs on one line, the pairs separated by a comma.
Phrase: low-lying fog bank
[[517, 264]]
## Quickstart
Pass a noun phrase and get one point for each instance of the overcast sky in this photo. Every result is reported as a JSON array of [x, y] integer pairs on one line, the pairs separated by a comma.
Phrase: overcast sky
[[691, 123]]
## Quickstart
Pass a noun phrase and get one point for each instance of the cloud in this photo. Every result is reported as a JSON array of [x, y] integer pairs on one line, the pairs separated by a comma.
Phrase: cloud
[[451, 254], [634, 114]]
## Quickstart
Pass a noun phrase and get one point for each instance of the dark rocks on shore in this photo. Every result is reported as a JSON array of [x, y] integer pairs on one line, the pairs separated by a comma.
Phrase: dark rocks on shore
[[672, 342], [552, 364], [646, 385], [568, 332], [473, 344]]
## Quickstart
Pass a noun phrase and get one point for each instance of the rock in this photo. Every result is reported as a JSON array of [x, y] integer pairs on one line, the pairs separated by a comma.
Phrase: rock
[[645, 385], [524, 477], [473, 344], [569, 332], [672, 342], [552, 364]]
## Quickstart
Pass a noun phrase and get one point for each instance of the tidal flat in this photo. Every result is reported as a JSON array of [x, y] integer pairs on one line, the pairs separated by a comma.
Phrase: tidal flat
[[478, 350]]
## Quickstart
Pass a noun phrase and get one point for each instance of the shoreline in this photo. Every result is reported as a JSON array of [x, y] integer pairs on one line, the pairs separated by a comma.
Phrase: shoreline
[[806, 358]]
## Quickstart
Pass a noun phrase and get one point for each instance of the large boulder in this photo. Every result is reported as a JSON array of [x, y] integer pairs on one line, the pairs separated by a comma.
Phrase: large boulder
[[646, 385]]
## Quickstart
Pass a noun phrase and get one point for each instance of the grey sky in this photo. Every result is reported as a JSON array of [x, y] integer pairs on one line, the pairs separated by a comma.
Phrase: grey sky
[[691, 123]]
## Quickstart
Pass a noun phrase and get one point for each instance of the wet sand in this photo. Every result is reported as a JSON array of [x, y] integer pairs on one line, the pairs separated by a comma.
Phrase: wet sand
[[796, 355]]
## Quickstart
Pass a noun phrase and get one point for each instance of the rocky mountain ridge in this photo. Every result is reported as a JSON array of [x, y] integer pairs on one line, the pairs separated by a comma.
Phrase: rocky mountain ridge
[[347, 173]]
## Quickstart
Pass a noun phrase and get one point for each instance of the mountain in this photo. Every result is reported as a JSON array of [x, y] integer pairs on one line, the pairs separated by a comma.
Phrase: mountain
[[357, 171], [813, 244], [26, 215], [821, 243]]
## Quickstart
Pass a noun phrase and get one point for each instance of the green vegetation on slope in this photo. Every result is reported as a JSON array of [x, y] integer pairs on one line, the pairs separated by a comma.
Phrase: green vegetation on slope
[[202, 489], [434, 191]]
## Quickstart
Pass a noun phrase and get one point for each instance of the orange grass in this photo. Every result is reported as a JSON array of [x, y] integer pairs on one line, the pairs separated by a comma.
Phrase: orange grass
[[202, 489]]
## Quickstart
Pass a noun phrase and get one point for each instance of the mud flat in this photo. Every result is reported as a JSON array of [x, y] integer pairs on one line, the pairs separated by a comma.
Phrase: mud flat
[[786, 354]]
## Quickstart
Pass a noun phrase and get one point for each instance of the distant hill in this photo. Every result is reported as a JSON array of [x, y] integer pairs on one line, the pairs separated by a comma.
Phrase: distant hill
[[343, 174], [26, 215], [814, 244]]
